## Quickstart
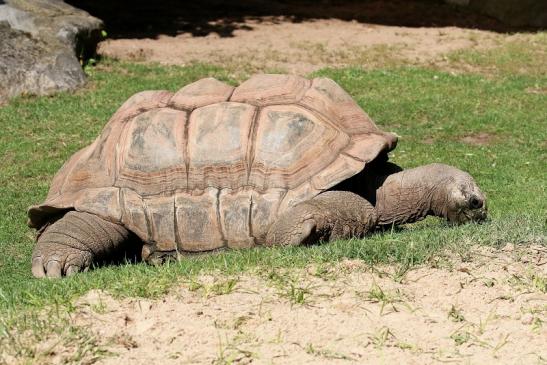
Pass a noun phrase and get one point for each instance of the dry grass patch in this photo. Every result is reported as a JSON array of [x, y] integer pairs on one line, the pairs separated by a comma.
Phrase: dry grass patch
[[519, 54]]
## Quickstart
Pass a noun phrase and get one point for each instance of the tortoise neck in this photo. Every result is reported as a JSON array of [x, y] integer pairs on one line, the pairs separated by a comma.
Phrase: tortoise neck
[[409, 196]]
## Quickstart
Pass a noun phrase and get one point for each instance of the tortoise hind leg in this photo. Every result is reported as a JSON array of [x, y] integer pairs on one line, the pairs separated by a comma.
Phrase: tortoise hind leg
[[327, 217], [74, 242]]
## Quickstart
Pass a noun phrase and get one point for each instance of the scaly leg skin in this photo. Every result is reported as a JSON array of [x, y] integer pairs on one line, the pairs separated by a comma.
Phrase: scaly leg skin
[[327, 217], [436, 189], [74, 242]]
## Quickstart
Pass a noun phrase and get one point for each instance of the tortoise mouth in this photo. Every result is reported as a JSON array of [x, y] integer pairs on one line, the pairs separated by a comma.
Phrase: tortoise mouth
[[470, 215]]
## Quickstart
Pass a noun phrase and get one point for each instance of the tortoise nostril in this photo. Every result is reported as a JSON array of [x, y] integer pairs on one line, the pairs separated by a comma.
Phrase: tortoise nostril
[[475, 203]]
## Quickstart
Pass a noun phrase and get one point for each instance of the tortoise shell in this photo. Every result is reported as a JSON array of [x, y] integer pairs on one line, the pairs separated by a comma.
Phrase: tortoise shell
[[212, 165]]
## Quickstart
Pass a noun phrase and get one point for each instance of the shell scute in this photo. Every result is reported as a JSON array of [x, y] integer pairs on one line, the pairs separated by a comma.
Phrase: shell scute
[[160, 213], [92, 168], [218, 138], [153, 144], [329, 99], [201, 93], [142, 101], [151, 152], [197, 216], [268, 89], [235, 212], [134, 214], [291, 145], [101, 201]]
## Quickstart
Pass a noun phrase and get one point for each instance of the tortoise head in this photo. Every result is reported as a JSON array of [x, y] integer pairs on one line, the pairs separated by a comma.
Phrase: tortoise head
[[463, 199]]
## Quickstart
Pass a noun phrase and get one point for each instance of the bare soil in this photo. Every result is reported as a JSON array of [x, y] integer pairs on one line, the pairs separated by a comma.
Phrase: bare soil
[[279, 44], [297, 36], [489, 308], [479, 139]]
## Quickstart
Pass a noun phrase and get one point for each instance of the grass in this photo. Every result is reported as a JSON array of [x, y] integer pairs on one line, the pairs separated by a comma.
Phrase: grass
[[290, 287], [37, 338], [377, 295], [221, 287], [521, 54], [432, 111]]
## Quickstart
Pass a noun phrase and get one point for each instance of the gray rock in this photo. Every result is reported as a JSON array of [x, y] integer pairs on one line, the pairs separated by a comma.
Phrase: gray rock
[[41, 44]]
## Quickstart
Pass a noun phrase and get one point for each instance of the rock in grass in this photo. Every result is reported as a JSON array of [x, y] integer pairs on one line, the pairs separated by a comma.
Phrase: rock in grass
[[41, 44]]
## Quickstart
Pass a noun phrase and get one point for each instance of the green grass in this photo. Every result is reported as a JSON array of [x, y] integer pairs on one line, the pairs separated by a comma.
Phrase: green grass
[[431, 110], [520, 54]]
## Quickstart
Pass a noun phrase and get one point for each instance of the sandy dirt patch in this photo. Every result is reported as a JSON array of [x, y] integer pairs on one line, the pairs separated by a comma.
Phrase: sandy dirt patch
[[479, 139], [276, 44], [492, 308]]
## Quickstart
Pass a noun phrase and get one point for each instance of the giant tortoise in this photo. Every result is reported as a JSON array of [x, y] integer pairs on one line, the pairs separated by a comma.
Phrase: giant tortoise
[[278, 160]]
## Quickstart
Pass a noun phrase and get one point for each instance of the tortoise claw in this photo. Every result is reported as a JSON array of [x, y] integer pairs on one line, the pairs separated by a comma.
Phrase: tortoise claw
[[72, 269], [53, 269], [59, 263], [72, 243], [38, 267]]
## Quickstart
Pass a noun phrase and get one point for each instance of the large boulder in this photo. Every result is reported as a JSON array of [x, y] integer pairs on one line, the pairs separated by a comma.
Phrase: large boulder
[[42, 43]]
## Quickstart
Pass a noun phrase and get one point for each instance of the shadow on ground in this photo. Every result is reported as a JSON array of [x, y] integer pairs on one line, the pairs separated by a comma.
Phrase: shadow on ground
[[149, 19]]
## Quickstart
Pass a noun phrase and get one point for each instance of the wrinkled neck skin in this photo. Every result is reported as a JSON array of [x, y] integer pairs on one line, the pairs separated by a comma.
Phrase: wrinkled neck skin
[[411, 195]]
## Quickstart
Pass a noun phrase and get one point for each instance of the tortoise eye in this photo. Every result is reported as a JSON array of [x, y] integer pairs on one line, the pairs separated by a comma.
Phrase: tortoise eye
[[475, 203]]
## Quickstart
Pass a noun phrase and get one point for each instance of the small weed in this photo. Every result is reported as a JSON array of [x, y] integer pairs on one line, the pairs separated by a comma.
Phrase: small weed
[[539, 282], [239, 322], [218, 287], [229, 353], [290, 287], [404, 346], [223, 287], [482, 324], [502, 342], [408, 346], [275, 278], [377, 295], [532, 281], [537, 324], [126, 341], [194, 285], [175, 355], [455, 314], [538, 309], [100, 307], [326, 272], [461, 337], [381, 337], [401, 271], [297, 294], [324, 353], [278, 338], [231, 324], [489, 283]]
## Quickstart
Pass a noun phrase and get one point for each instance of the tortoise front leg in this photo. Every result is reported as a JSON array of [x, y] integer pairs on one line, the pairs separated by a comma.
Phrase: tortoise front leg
[[74, 242], [327, 217]]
